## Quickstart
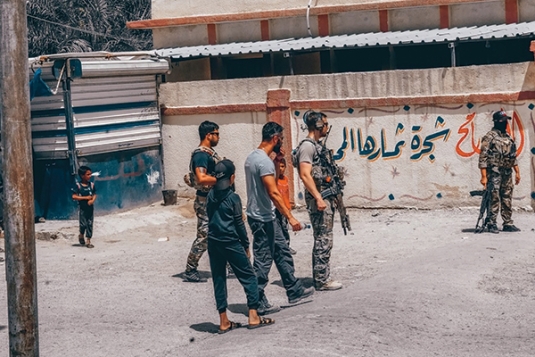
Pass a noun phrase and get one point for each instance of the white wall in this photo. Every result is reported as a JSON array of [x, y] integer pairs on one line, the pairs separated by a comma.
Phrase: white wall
[[354, 22], [174, 8], [526, 9], [435, 164], [490, 13], [441, 177], [414, 18], [382, 84], [462, 13], [244, 31], [193, 35], [239, 134]]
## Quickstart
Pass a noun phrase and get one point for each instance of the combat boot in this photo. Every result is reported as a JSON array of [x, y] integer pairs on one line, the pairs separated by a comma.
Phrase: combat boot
[[304, 294], [265, 308], [193, 276], [493, 228], [330, 285], [511, 228]]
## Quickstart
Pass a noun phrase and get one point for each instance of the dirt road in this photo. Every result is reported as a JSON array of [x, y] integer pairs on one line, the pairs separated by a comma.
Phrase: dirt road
[[415, 285]]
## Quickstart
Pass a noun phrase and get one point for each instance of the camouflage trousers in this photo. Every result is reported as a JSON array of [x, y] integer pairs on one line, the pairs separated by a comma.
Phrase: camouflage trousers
[[322, 226], [501, 181], [200, 244]]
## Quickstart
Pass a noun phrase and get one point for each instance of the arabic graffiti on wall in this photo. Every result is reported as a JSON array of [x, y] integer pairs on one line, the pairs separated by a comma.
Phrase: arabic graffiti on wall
[[467, 146], [390, 150], [372, 149]]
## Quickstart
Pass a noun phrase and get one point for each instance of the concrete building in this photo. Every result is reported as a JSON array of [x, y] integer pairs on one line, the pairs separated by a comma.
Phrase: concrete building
[[409, 87]]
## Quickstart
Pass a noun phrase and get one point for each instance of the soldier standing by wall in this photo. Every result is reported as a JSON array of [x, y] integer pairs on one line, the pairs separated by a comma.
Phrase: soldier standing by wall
[[201, 177], [497, 161], [321, 211]]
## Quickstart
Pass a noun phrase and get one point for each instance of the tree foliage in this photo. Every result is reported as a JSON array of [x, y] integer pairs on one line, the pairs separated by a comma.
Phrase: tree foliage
[[59, 26]]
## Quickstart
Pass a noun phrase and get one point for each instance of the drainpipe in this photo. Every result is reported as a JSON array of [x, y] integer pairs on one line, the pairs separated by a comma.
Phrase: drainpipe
[[19, 225], [289, 56], [308, 18], [69, 117], [451, 46]]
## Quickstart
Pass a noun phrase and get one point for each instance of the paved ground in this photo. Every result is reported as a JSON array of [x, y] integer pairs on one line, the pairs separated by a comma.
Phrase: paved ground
[[415, 285]]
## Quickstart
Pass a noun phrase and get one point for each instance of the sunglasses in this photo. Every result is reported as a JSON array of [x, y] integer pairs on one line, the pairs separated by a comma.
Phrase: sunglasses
[[214, 133]]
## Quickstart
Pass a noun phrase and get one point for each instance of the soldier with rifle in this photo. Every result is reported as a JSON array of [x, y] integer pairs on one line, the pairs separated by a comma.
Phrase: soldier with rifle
[[323, 183], [497, 161]]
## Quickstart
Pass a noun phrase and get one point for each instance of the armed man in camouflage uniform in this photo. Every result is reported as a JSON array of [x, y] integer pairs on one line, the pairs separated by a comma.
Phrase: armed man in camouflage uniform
[[201, 177], [497, 161], [321, 211]]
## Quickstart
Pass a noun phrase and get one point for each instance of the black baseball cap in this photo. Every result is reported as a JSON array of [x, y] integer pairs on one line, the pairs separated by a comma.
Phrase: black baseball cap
[[223, 170], [500, 116]]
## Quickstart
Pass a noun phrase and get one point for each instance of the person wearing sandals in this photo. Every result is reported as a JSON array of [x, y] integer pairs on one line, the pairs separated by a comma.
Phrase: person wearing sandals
[[85, 193], [228, 243]]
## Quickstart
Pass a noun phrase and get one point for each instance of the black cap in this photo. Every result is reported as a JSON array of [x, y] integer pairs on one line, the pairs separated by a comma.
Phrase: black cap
[[500, 116], [223, 170]]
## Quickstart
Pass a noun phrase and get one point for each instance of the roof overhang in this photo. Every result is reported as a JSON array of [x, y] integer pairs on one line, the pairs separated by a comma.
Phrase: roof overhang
[[376, 39]]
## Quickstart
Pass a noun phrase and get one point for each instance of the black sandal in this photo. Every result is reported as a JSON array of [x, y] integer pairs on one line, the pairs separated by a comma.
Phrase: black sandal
[[81, 240], [233, 326], [264, 321]]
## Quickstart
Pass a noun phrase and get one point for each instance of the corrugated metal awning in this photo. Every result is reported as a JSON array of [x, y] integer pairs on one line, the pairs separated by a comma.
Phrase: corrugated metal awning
[[114, 107], [462, 34]]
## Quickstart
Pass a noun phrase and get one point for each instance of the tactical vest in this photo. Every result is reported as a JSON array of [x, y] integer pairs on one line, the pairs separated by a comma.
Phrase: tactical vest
[[501, 151], [190, 178], [320, 171]]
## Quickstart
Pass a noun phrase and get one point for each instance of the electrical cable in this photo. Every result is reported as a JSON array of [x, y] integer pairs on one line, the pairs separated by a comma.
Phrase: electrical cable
[[79, 29]]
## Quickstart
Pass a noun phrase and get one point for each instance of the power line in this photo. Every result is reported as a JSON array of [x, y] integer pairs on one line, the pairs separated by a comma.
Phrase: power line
[[79, 29]]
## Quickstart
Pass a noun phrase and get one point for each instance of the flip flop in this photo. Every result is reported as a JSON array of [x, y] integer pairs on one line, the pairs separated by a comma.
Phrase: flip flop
[[264, 321], [82, 241], [90, 245], [233, 326]]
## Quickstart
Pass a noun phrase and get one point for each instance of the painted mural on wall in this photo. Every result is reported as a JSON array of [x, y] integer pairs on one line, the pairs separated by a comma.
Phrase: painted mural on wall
[[124, 180], [424, 156]]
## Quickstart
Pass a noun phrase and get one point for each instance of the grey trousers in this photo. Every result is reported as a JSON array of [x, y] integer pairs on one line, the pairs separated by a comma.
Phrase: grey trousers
[[269, 245]]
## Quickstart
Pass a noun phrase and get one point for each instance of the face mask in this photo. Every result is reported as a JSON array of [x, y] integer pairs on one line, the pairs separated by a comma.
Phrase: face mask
[[501, 126]]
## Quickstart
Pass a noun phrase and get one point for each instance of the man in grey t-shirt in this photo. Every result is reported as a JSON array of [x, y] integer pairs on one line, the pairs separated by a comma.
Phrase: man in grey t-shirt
[[269, 243]]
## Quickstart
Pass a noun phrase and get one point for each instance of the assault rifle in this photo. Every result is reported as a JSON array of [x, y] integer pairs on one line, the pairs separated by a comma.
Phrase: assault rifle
[[336, 182], [484, 208]]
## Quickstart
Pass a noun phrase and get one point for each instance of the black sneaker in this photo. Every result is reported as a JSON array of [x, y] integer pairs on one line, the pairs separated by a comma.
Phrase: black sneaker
[[194, 277], [306, 293], [266, 308], [493, 228], [511, 228]]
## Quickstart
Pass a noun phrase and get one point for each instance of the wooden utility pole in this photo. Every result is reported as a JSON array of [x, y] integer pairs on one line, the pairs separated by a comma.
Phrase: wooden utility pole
[[18, 181]]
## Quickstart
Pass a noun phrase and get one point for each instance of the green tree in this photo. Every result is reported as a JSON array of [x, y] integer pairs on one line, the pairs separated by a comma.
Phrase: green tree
[[59, 26]]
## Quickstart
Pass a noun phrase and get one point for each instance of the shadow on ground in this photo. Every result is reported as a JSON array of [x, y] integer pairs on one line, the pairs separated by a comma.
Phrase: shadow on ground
[[205, 327], [468, 230], [203, 275], [307, 282], [239, 309]]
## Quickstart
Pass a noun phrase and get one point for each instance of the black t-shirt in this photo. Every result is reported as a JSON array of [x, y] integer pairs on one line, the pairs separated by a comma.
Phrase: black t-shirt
[[84, 191], [203, 159]]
